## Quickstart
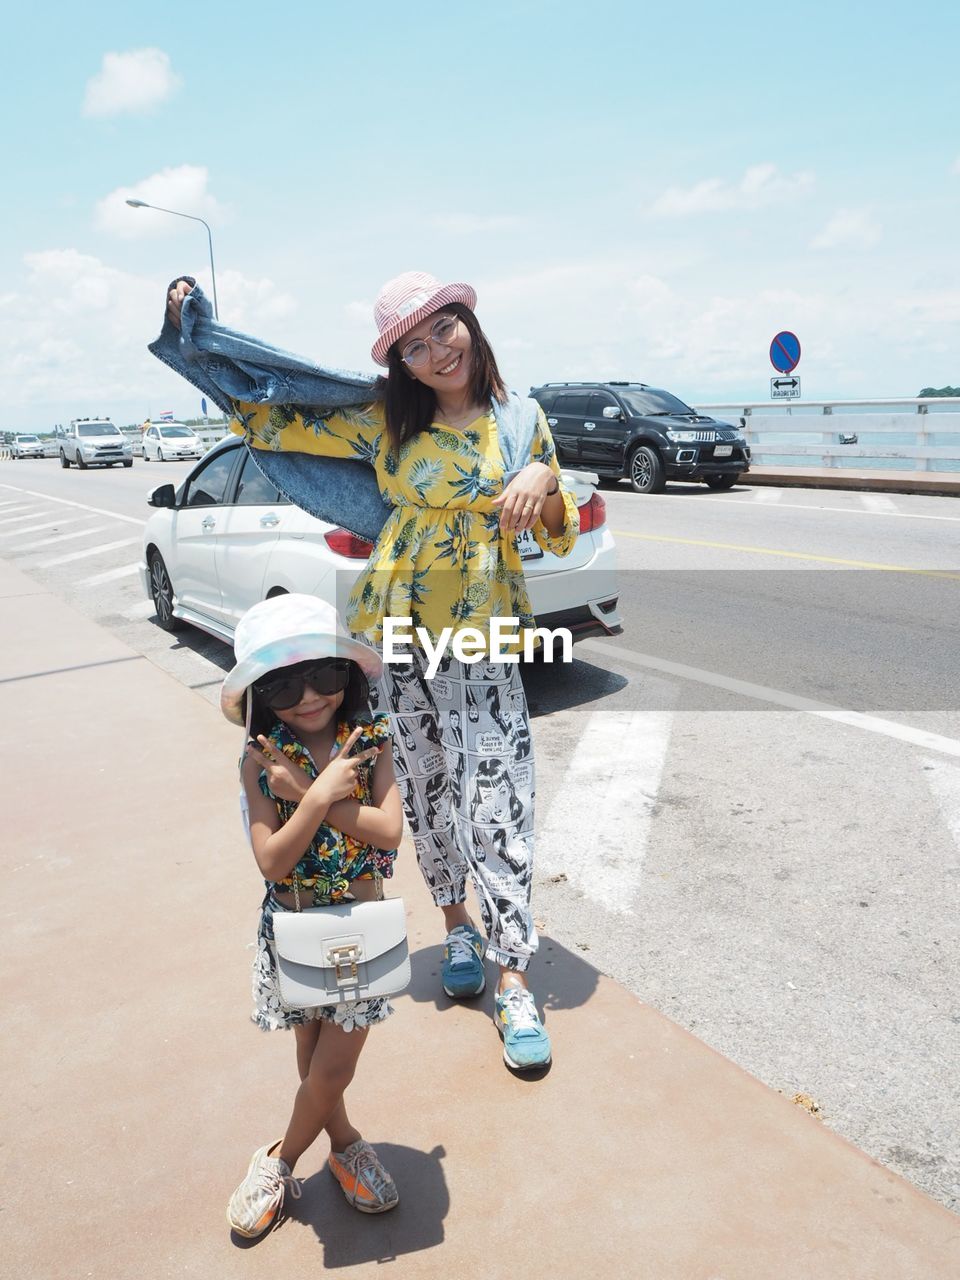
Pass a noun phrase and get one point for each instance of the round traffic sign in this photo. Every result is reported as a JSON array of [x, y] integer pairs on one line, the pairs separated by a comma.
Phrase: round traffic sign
[[785, 351]]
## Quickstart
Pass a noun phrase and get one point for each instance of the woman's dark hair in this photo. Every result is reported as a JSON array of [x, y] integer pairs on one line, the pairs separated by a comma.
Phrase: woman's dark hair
[[410, 406], [354, 709]]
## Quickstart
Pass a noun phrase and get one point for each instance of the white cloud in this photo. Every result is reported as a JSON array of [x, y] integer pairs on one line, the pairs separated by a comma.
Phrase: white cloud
[[761, 184], [183, 188], [134, 82], [73, 341], [849, 229]]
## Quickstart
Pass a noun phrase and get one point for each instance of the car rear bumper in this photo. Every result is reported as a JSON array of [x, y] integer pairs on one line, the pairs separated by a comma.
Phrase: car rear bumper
[[583, 599]]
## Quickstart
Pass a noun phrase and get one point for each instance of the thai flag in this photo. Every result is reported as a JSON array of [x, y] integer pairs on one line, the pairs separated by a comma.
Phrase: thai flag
[[166, 416]]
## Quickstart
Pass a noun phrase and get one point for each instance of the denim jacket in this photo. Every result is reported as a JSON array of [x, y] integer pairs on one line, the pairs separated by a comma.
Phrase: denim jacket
[[227, 365]]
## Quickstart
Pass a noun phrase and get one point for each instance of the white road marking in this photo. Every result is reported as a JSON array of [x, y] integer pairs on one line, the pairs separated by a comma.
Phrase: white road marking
[[766, 497], [618, 762], [63, 537], [748, 503], [944, 780], [27, 512], [98, 511], [37, 528], [81, 555], [142, 610], [778, 697], [878, 503], [111, 575]]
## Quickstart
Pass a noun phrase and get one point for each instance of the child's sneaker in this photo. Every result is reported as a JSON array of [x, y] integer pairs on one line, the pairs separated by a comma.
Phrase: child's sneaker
[[526, 1044], [363, 1179], [462, 972], [256, 1202]]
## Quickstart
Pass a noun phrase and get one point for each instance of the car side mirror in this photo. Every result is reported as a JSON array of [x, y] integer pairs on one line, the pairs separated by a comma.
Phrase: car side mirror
[[164, 495], [612, 412]]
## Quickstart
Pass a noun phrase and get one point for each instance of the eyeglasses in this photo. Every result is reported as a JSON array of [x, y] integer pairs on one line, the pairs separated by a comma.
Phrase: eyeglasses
[[417, 353], [284, 689]]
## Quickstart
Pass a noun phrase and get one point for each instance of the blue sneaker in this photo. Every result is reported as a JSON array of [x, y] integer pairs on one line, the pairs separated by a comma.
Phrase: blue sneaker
[[526, 1044], [462, 972]]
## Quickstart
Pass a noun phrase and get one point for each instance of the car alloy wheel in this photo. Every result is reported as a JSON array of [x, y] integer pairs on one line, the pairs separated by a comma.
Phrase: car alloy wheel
[[63, 461], [161, 592], [646, 471], [80, 461]]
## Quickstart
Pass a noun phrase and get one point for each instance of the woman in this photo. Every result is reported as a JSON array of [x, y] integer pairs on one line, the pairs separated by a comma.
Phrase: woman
[[465, 467]]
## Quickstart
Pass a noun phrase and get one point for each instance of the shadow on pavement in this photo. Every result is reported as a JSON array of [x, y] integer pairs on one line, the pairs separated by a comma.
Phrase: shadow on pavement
[[558, 979], [559, 686], [350, 1238]]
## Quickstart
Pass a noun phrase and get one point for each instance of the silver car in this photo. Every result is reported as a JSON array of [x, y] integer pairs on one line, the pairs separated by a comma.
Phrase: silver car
[[26, 447]]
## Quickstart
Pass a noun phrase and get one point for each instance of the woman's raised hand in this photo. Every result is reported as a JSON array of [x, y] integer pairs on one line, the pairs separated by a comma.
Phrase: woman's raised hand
[[522, 500], [340, 777], [175, 301], [285, 779]]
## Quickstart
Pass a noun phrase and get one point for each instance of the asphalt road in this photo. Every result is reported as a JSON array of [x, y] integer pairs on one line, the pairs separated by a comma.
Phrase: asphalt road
[[748, 804]]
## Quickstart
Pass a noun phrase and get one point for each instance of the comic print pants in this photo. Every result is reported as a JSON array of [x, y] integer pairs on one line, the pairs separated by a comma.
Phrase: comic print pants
[[464, 763]]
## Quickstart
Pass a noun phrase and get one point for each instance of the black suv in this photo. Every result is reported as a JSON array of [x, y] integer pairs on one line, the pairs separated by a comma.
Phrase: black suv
[[628, 429]]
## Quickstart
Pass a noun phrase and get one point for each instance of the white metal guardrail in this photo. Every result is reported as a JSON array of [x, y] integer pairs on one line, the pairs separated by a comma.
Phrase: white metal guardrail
[[922, 434]]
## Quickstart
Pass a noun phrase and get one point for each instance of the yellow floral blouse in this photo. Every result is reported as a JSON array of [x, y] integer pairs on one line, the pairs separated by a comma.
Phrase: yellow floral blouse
[[441, 558]]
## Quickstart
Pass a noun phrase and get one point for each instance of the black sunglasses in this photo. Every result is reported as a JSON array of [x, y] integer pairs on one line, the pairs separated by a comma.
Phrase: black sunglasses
[[283, 689]]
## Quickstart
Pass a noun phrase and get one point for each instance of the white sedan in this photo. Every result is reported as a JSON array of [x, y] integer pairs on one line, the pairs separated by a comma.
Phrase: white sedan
[[227, 539], [171, 442]]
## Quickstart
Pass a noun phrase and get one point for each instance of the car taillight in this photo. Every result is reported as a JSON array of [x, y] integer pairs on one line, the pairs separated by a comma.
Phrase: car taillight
[[593, 514], [345, 543]]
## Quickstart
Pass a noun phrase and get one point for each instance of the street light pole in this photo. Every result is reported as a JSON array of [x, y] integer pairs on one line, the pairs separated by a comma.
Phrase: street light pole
[[142, 204]]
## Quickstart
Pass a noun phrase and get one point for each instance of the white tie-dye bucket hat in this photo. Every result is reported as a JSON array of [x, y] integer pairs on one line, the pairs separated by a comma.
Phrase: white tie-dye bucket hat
[[281, 632]]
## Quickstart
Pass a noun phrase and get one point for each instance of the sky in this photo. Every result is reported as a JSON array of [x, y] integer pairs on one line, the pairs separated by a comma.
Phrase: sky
[[647, 192]]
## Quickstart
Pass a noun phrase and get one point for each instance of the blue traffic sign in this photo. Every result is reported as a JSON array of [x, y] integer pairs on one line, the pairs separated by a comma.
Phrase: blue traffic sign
[[785, 352]]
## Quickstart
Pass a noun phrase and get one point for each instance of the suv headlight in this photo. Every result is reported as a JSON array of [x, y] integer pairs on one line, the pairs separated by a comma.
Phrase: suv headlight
[[686, 437], [127, 446]]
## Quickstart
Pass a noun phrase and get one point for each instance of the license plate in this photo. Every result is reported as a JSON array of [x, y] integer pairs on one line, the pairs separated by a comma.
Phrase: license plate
[[723, 450], [527, 546]]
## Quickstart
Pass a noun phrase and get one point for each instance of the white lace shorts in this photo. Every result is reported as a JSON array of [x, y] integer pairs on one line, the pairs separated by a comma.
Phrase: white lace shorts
[[269, 1011]]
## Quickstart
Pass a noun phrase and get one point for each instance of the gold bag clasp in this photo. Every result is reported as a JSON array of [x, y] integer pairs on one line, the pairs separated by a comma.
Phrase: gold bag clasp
[[344, 960]]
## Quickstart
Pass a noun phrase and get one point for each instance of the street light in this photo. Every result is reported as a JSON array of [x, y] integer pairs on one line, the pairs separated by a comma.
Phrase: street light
[[142, 204]]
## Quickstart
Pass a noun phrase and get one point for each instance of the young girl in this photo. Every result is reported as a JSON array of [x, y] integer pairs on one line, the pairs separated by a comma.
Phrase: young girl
[[324, 818]]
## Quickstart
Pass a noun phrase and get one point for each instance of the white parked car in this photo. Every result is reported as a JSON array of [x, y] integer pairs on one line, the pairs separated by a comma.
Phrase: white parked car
[[226, 539], [170, 442], [26, 447]]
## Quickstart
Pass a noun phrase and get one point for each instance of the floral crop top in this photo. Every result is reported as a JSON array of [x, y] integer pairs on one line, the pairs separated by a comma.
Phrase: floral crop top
[[333, 859]]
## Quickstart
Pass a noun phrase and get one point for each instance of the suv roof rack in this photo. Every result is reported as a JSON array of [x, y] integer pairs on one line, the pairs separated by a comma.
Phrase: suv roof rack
[[592, 382]]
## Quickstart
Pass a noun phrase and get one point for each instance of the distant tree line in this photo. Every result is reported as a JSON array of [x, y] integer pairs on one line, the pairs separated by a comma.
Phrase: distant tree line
[[940, 391]]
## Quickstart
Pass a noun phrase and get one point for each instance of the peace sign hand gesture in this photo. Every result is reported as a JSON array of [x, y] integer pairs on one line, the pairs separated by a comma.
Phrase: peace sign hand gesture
[[340, 777], [286, 780]]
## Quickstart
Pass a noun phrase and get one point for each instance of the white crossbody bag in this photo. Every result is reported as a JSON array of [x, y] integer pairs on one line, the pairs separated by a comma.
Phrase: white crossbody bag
[[344, 952]]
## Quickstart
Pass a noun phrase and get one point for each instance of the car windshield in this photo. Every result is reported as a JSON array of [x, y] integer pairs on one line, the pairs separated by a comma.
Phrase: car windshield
[[174, 433], [28, 439], [651, 403], [97, 429]]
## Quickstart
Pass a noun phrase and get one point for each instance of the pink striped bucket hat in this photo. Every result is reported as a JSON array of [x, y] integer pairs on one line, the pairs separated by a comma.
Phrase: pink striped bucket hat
[[406, 300]]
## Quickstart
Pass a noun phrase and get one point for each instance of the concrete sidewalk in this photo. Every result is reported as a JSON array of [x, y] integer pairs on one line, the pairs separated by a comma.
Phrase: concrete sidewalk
[[136, 1089]]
